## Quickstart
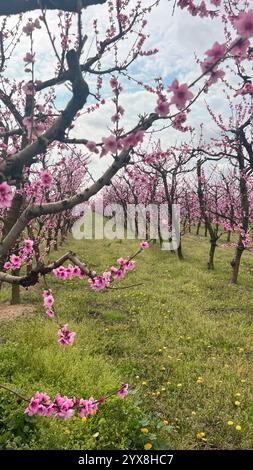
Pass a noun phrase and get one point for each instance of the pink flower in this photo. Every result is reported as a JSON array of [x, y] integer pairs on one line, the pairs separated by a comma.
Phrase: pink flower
[[66, 337], [7, 265], [16, 262], [110, 144], [240, 47], [130, 265], [114, 83], [162, 108], [217, 52], [29, 58], [28, 248], [92, 146], [5, 195], [115, 117], [216, 3], [50, 313], [48, 299], [123, 392], [46, 179], [181, 94], [244, 24], [122, 261], [87, 407], [144, 245]]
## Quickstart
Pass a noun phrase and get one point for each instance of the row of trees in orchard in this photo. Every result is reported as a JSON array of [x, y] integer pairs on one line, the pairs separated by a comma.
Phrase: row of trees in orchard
[[47, 152]]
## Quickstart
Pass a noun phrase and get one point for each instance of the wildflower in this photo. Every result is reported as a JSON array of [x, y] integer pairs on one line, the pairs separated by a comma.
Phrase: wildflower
[[201, 435], [194, 413], [200, 380], [179, 385], [238, 428], [84, 419], [148, 446], [230, 423], [165, 422], [237, 403], [144, 430]]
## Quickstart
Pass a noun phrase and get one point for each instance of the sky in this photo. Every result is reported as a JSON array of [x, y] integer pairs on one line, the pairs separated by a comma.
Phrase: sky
[[179, 38]]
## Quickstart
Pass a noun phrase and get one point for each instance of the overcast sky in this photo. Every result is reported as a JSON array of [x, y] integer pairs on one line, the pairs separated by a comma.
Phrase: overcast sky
[[179, 39]]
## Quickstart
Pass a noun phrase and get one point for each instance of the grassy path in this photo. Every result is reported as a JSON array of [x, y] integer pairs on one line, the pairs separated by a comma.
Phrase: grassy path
[[183, 341]]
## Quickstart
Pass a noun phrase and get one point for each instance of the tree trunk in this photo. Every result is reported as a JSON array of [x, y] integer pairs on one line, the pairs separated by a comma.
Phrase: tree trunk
[[210, 263], [15, 291], [228, 237], [198, 228], [235, 263], [179, 252]]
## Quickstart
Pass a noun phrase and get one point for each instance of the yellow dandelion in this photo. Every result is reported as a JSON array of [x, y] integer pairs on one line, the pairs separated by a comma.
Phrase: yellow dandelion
[[144, 430], [238, 428], [237, 395], [243, 381], [148, 446], [194, 413], [84, 419], [200, 435], [160, 350], [200, 380], [163, 369], [230, 423], [144, 382], [237, 403], [179, 385], [165, 422]]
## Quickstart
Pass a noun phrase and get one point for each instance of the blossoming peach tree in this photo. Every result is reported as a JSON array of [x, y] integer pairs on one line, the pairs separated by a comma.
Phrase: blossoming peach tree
[[44, 166]]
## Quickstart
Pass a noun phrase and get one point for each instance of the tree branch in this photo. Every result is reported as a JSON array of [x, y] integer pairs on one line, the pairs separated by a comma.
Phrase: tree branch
[[12, 7]]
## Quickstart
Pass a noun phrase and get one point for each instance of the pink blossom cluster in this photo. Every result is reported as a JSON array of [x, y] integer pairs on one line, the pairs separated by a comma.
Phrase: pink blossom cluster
[[199, 10], [48, 301], [65, 336], [112, 144], [99, 283], [64, 407], [5, 195], [31, 26], [16, 261], [67, 273]]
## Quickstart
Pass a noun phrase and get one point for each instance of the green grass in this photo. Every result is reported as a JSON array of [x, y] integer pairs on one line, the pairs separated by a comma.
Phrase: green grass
[[181, 324]]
